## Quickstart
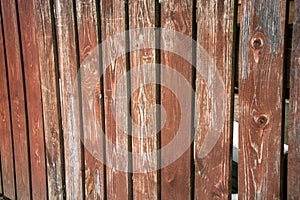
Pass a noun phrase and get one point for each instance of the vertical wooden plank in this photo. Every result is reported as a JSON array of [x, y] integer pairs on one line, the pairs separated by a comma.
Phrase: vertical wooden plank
[[50, 97], [144, 140], [1, 182], [260, 98], [116, 128], [176, 15], [67, 60], [6, 149], [214, 89], [88, 41], [17, 99], [33, 98], [294, 115]]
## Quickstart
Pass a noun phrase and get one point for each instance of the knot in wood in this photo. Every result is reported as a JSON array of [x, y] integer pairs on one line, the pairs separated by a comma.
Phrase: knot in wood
[[261, 120], [257, 43]]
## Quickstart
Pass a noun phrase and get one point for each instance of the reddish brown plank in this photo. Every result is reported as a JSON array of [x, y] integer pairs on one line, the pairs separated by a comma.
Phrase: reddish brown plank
[[260, 98], [214, 98], [116, 128], [175, 177], [88, 41], [17, 99], [7, 165], [143, 94], [33, 98], [50, 96], [294, 115], [67, 61]]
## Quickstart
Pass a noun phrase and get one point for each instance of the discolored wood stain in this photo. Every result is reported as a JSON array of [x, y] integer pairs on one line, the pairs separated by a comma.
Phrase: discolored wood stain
[[67, 61], [214, 99], [50, 97], [294, 115], [176, 15], [87, 24], [114, 69], [260, 98], [143, 94]]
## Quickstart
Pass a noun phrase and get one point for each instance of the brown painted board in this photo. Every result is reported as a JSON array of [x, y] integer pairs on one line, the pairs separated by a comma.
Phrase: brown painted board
[[91, 98], [294, 115], [176, 100], [17, 99], [115, 98], [1, 185], [260, 98], [50, 98], [214, 88], [143, 94], [67, 60], [34, 99], [6, 150]]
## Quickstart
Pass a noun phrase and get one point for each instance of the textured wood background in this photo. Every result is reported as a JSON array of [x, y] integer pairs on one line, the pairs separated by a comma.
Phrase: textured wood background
[[49, 147]]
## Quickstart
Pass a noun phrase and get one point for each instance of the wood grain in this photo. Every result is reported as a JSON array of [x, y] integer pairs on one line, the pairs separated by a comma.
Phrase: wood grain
[[116, 128], [6, 149], [214, 87], [67, 60], [88, 40], [294, 115], [260, 98], [144, 140], [33, 98], [175, 178], [50, 97], [17, 99]]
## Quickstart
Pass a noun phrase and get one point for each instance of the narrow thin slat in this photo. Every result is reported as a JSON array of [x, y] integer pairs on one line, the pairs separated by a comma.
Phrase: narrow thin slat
[[6, 149], [144, 140], [294, 115], [88, 41], [176, 15], [1, 182], [33, 97], [17, 99], [116, 128], [260, 98], [67, 60], [214, 98], [50, 93]]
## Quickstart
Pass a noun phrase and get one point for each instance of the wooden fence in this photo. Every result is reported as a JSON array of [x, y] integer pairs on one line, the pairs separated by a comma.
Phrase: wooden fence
[[51, 150]]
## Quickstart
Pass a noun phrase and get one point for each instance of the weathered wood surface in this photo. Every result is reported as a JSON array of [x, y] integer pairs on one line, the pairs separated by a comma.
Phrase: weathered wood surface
[[33, 99], [294, 115], [116, 122], [50, 97], [87, 25], [260, 96], [67, 60], [214, 99], [17, 99], [176, 183], [143, 94], [6, 148]]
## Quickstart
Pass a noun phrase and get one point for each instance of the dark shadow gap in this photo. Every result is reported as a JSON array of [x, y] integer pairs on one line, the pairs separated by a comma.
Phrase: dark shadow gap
[[128, 82], [158, 92], [99, 31]]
